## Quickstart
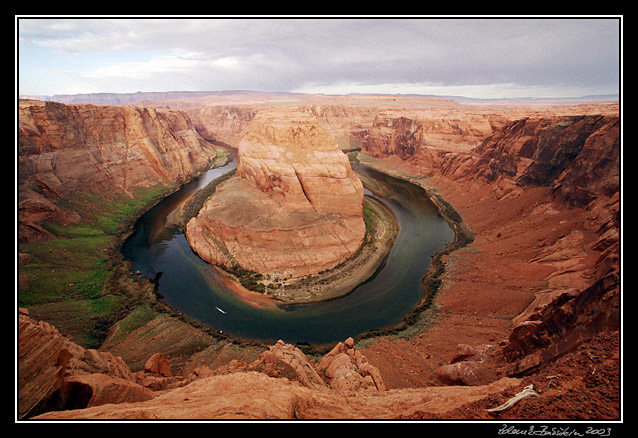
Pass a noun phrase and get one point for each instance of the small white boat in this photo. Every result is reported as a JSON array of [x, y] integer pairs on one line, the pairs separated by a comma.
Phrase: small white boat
[[221, 310]]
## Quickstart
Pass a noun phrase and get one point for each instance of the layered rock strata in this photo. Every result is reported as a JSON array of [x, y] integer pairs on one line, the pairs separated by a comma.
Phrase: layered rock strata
[[226, 124], [295, 206], [67, 149], [550, 256], [55, 373], [407, 135]]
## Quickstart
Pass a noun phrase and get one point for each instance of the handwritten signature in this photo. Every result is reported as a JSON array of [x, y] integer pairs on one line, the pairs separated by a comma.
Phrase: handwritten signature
[[555, 431]]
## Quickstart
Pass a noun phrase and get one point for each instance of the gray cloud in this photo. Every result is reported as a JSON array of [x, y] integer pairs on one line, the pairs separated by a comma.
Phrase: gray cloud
[[292, 54]]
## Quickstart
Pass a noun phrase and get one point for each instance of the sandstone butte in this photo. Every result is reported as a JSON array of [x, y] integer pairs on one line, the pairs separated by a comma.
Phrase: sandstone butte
[[533, 299], [294, 208]]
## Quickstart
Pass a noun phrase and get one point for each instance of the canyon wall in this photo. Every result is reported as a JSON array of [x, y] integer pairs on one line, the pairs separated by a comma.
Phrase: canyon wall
[[223, 123], [578, 159], [406, 134], [541, 151], [548, 188], [347, 124], [105, 150], [576, 156], [294, 207]]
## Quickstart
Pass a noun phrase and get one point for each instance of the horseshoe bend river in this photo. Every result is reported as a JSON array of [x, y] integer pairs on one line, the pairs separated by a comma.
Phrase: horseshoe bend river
[[159, 250]]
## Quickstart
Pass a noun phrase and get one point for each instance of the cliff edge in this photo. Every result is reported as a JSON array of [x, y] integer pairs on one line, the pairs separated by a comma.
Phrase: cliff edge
[[64, 150]]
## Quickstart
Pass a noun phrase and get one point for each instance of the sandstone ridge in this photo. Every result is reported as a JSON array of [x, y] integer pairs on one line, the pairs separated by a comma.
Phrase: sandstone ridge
[[58, 375]]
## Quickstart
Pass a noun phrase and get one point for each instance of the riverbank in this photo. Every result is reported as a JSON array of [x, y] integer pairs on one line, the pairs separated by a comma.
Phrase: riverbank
[[381, 231], [418, 320]]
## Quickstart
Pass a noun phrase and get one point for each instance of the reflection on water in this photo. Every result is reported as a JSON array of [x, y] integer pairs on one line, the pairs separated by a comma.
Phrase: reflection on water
[[193, 287]]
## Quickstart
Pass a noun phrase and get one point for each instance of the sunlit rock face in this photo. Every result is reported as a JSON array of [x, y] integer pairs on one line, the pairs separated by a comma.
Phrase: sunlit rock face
[[295, 206]]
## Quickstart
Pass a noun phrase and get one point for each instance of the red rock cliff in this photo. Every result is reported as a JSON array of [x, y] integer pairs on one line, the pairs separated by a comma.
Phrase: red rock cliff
[[578, 158], [65, 149], [226, 124], [542, 197]]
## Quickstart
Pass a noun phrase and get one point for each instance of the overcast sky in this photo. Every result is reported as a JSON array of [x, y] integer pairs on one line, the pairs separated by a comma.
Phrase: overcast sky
[[474, 57]]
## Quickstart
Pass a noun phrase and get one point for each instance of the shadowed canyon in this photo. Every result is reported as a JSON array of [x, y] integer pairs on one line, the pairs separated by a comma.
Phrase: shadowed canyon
[[526, 293]]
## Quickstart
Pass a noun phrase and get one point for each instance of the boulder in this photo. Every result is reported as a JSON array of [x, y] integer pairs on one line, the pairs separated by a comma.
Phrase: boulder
[[348, 369], [158, 365], [468, 366], [285, 360], [459, 373], [87, 390]]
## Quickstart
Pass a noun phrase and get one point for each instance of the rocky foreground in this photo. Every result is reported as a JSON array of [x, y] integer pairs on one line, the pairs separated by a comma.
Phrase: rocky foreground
[[60, 380], [60, 376], [534, 299]]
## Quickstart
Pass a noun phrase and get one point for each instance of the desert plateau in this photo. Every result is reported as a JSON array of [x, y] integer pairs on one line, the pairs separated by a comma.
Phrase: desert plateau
[[521, 305]]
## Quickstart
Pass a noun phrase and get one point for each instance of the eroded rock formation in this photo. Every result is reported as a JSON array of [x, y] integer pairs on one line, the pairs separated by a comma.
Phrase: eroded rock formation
[[406, 134], [226, 124], [67, 149], [294, 208], [67, 381], [55, 373]]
